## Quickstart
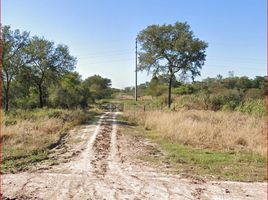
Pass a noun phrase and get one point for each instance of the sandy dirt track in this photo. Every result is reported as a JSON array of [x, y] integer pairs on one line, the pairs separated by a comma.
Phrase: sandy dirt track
[[92, 167]]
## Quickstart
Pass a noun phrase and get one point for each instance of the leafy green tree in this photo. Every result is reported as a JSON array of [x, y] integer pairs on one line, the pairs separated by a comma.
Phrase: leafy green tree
[[171, 49], [260, 82], [69, 93], [244, 83], [14, 58], [23, 93], [156, 88], [48, 63], [184, 89], [98, 86], [230, 82]]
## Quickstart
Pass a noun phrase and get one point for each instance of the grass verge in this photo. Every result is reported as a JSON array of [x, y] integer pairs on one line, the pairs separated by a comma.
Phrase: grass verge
[[233, 165]]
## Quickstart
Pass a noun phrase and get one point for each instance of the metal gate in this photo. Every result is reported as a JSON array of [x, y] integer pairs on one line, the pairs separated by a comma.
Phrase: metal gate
[[112, 107]]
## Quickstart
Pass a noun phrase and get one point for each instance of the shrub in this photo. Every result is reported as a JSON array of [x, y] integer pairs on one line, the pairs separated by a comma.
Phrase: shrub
[[184, 89], [216, 102], [257, 107]]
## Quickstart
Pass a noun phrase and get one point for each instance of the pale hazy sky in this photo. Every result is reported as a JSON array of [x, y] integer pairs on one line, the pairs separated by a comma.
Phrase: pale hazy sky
[[101, 33]]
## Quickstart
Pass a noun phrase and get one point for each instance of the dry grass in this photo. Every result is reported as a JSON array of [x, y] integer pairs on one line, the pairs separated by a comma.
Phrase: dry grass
[[207, 129], [28, 135]]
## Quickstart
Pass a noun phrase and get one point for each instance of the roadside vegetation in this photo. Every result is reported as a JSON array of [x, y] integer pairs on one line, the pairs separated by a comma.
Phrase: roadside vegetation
[[217, 94], [43, 97], [212, 127], [29, 135], [37, 73], [206, 129], [217, 145]]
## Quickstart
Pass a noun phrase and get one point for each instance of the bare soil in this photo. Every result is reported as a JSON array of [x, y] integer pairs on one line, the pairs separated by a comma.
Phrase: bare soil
[[98, 162]]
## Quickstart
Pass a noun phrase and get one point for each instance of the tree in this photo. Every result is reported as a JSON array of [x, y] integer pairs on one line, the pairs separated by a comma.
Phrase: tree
[[48, 63], [171, 49], [99, 87], [230, 82], [14, 58], [184, 89], [244, 83], [156, 88], [69, 93]]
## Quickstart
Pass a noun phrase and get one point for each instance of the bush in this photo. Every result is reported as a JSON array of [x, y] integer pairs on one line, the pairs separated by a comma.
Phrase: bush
[[216, 102], [257, 107], [184, 89], [231, 100]]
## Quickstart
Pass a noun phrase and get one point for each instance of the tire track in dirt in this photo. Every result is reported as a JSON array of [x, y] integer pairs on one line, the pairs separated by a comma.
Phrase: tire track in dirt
[[129, 184], [101, 148], [84, 163]]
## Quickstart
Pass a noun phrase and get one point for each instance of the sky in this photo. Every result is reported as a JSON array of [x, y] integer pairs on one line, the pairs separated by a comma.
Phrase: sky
[[101, 33]]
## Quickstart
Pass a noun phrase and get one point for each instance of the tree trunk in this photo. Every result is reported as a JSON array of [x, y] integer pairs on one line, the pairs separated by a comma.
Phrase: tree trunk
[[169, 91], [7, 99], [41, 103]]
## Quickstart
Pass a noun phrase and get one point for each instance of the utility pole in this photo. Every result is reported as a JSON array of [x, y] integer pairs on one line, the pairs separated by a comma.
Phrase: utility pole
[[1, 99], [136, 71]]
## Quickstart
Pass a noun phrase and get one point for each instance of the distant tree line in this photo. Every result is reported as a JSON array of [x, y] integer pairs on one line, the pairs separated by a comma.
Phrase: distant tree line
[[244, 86], [36, 73], [230, 93]]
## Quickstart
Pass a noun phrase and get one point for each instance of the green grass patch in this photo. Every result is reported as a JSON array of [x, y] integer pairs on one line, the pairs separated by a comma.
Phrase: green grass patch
[[224, 165], [15, 164]]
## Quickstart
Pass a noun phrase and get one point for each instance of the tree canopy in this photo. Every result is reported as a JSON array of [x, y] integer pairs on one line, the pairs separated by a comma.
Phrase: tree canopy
[[39, 73], [171, 49], [13, 57]]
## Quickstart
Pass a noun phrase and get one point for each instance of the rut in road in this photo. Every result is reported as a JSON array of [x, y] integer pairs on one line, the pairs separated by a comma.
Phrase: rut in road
[[101, 148], [99, 171]]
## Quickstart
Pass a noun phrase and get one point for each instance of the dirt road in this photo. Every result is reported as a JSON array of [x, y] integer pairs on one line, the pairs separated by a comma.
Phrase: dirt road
[[94, 162]]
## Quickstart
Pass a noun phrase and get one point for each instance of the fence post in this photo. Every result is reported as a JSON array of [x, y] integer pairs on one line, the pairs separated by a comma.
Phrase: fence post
[[144, 108]]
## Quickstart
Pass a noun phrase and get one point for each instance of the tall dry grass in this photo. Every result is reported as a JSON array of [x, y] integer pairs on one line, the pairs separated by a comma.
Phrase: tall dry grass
[[28, 135], [206, 129]]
